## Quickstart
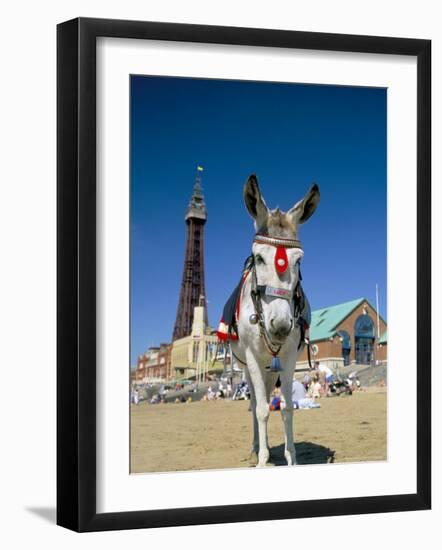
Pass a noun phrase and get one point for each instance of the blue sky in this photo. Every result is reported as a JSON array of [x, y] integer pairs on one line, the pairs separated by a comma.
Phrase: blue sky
[[289, 135]]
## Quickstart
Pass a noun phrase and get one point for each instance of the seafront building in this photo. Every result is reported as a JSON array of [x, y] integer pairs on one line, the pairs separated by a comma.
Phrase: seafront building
[[153, 365], [347, 334], [193, 357]]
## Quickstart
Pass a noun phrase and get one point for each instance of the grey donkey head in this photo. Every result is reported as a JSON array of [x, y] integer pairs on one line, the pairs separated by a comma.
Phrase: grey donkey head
[[276, 223]]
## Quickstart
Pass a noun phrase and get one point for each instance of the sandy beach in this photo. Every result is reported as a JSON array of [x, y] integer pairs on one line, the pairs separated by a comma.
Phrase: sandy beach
[[218, 434]]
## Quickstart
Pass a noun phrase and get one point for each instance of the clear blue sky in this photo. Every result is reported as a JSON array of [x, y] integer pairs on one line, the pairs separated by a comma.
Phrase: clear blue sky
[[289, 135]]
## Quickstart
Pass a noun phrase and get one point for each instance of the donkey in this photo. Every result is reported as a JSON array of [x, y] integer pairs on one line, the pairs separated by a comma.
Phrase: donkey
[[269, 322]]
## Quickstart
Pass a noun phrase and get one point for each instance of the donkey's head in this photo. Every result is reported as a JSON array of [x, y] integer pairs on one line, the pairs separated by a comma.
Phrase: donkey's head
[[277, 255], [275, 223]]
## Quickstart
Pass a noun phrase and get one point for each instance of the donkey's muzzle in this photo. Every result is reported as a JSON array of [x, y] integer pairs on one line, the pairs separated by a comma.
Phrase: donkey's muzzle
[[280, 329]]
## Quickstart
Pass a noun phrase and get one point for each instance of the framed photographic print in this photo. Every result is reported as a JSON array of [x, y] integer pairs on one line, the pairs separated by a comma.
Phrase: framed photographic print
[[243, 274]]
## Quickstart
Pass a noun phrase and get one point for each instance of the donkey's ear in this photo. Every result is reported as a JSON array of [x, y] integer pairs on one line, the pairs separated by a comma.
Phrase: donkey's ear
[[303, 209], [254, 202]]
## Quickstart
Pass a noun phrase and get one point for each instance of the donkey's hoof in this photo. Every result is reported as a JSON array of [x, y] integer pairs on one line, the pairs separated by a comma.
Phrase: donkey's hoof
[[290, 457], [252, 459], [263, 458]]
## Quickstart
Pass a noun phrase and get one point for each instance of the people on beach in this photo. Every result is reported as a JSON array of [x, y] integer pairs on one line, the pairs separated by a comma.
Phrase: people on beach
[[135, 396], [300, 399], [327, 374], [315, 389], [210, 394]]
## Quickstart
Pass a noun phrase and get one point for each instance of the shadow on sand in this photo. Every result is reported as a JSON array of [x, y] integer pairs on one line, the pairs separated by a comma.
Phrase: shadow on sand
[[306, 453]]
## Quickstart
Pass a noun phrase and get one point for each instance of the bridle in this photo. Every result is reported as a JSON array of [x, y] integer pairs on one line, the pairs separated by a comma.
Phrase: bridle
[[258, 291]]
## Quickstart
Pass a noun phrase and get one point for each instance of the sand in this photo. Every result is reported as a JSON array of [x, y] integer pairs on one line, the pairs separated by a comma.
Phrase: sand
[[218, 434]]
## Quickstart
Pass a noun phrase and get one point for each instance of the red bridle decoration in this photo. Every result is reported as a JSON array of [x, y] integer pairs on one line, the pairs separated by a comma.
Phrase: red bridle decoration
[[281, 243], [281, 260]]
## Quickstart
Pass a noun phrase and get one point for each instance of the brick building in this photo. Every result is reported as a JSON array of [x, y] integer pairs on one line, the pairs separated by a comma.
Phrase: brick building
[[154, 365], [347, 334]]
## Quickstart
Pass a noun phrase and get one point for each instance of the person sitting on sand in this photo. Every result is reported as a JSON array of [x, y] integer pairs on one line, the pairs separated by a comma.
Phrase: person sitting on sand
[[306, 382], [315, 389], [300, 399], [298, 391], [275, 403], [210, 394]]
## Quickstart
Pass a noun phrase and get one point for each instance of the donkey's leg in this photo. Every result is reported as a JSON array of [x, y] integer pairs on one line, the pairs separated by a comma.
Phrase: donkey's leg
[[270, 382], [262, 408], [287, 415], [255, 442]]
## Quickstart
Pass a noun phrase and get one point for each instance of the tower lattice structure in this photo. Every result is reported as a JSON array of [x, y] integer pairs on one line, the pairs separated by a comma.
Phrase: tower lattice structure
[[193, 292]]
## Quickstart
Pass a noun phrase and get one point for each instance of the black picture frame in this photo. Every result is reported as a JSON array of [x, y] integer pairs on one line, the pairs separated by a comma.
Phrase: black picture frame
[[77, 287]]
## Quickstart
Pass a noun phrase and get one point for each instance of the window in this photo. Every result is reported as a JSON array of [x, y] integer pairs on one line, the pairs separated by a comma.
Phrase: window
[[364, 327], [346, 346], [364, 340]]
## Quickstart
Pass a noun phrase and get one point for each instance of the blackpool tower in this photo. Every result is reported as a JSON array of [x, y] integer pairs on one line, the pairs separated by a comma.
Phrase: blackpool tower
[[193, 290]]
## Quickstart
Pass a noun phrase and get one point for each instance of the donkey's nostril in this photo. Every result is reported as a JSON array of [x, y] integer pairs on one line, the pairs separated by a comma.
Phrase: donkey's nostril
[[284, 330], [281, 328]]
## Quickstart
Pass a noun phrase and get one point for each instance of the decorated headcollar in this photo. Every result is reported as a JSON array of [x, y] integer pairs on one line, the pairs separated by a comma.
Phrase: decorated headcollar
[[281, 260]]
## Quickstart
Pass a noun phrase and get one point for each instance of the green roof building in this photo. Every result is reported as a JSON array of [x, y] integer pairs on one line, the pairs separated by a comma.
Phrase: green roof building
[[347, 333]]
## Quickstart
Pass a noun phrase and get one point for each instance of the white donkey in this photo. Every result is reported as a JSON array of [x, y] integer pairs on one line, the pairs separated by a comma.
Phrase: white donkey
[[268, 313]]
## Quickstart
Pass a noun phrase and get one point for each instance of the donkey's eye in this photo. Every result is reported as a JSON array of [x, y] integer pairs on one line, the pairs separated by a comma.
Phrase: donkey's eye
[[259, 259]]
